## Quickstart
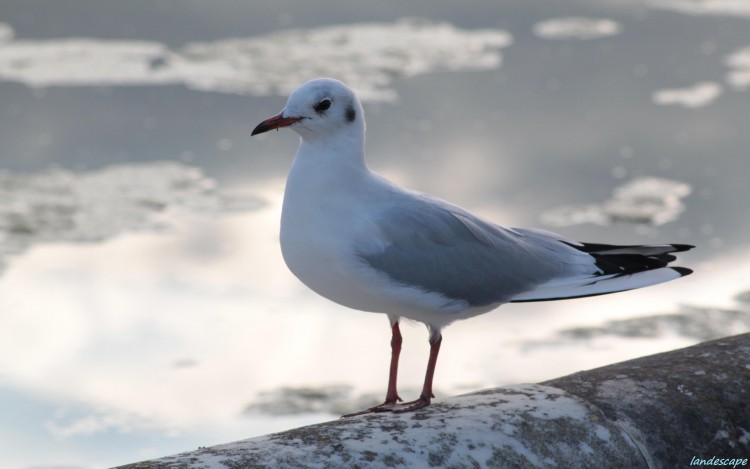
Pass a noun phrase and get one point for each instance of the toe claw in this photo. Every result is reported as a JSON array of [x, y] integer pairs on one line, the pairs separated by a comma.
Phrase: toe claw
[[386, 406], [411, 406], [393, 406]]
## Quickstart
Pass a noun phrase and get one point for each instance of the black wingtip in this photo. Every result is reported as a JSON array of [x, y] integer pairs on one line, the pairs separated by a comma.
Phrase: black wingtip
[[682, 247], [683, 271]]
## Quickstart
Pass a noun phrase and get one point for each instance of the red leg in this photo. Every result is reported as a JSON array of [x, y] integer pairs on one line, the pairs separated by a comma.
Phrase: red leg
[[424, 398], [391, 395]]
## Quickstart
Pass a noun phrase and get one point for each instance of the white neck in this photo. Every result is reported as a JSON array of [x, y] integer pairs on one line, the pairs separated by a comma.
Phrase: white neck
[[329, 159]]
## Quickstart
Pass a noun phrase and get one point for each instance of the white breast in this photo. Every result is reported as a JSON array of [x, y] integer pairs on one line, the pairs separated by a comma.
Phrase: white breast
[[325, 218], [320, 221]]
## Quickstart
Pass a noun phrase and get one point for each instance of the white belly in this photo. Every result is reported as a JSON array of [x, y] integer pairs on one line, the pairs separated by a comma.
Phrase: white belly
[[326, 262], [324, 224], [323, 259]]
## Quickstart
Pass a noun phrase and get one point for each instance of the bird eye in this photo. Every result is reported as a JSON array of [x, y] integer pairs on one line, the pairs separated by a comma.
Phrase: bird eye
[[323, 105]]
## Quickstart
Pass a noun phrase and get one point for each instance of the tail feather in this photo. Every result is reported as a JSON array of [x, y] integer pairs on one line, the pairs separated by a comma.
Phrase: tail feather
[[643, 249], [620, 268], [632, 259]]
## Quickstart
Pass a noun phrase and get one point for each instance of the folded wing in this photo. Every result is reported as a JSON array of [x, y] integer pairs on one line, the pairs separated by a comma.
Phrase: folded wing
[[441, 248]]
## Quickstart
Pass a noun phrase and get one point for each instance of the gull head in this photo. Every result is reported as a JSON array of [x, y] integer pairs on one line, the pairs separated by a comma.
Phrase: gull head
[[322, 108]]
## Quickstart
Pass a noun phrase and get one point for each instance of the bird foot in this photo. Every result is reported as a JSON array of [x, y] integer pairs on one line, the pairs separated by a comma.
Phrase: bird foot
[[393, 407], [411, 406], [386, 406]]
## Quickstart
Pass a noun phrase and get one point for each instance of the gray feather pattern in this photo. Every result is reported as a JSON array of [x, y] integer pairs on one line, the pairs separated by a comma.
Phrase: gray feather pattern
[[441, 248]]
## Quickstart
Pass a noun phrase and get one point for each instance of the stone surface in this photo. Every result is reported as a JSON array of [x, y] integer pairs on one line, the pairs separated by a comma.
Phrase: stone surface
[[676, 405], [656, 411]]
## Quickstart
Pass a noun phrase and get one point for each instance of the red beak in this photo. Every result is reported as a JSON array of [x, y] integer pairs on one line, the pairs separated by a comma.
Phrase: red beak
[[275, 122]]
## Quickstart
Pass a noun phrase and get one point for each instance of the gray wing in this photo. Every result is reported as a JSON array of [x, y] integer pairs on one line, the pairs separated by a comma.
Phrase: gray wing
[[444, 249]]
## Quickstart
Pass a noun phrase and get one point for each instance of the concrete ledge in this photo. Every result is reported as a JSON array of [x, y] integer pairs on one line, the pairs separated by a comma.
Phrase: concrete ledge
[[693, 402], [664, 410]]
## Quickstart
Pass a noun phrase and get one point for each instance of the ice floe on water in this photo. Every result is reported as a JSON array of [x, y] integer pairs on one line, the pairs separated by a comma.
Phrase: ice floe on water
[[6, 33], [80, 62], [62, 205], [691, 322], [645, 200], [330, 399], [739, 65], [705, 7], [696, 96], [369, 56], [575, 27]]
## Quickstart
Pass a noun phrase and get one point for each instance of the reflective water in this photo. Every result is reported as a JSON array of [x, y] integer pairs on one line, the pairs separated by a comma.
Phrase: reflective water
[[144, 305]]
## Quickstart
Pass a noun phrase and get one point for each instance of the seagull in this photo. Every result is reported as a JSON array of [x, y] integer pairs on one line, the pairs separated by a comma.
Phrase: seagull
[[363, 242]]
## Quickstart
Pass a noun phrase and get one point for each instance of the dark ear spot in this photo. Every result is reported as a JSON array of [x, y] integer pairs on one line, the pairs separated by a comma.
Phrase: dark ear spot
[[351, 114]]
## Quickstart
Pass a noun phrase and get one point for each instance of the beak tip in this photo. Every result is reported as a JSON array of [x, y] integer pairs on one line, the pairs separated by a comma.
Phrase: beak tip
[[275, 122]]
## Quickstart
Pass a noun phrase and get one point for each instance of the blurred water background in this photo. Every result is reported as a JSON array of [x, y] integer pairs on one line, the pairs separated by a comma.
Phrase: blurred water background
[[144, 305]]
